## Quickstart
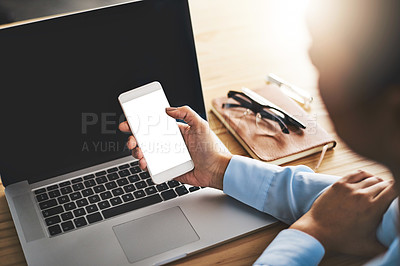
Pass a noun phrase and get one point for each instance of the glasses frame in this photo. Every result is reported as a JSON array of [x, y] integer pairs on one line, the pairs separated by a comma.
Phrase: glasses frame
[[244, 101]]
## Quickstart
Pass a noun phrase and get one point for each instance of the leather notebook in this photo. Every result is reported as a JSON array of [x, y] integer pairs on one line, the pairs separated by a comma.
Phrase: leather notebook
[[277, 148]]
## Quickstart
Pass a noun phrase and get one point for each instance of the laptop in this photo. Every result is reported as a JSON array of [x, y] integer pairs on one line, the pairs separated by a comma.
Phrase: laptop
[[76, 195]]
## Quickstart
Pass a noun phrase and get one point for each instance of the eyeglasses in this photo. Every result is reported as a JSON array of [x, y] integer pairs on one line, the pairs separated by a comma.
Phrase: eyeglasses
[[267, 117]]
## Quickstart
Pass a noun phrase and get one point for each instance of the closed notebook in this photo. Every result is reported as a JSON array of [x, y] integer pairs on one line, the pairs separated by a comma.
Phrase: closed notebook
[[274, 146]]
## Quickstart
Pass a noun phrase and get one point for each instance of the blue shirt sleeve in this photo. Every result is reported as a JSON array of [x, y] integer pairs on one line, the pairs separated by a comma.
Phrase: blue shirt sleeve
[[283, 192], [308, 251], [287, 193]]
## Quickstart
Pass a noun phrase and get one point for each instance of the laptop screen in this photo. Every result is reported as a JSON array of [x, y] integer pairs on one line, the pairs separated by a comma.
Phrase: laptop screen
[[60, 80]]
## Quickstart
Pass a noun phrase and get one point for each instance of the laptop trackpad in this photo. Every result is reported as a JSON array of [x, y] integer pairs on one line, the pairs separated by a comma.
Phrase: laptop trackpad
[[155, 234]]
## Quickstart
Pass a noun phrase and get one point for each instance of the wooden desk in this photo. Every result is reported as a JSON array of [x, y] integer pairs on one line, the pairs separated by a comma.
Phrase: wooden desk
[[238, 43]]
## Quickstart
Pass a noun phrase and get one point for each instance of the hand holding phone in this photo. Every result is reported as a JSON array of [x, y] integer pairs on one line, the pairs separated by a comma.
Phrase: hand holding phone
[[156, 133]]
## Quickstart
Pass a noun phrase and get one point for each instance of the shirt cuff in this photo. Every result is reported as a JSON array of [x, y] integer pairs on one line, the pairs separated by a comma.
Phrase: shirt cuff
[[292, 247], [248, 181]]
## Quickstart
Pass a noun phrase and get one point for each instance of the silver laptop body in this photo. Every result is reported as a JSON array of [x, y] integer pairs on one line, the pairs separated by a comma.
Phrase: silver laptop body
[[205, 217], [83, 62]]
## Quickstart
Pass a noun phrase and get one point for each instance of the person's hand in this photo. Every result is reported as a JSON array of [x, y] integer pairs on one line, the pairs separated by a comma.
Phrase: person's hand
[[346, 216], [209, 157]]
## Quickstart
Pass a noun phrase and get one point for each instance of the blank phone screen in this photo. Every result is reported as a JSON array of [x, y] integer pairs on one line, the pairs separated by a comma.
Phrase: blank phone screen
[[157, 134]]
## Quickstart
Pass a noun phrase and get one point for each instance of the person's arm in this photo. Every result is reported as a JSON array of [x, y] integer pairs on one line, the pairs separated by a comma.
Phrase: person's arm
[[283, 192], [289, 192]]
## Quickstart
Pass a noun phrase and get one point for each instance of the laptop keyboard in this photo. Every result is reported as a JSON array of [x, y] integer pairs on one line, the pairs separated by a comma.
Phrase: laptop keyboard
[[85, 200]]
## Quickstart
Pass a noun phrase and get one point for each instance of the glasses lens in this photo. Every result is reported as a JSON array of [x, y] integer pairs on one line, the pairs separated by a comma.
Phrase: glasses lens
[[267, 126], [236, 112]]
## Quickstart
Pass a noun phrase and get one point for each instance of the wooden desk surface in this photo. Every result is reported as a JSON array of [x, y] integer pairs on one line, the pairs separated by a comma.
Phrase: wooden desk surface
[[238, 43]]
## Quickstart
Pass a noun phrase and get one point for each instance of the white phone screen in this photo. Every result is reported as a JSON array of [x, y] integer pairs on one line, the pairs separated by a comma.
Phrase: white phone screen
[[157, 133]]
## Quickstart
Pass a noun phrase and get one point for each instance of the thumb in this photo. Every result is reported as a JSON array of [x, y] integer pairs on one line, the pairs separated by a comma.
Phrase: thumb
[[186, 114]]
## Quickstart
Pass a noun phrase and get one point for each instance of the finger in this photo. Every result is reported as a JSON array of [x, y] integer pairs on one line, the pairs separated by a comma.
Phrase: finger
[[137, 153], [131, 144], [357, 177], [183, 127], [124, 127], [187, 178], [142, 164], [369, 181], [186, 114], [387, 195], [376, 188]]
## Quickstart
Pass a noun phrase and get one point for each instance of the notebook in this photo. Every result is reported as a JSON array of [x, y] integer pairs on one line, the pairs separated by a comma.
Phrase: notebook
[[278, 148]]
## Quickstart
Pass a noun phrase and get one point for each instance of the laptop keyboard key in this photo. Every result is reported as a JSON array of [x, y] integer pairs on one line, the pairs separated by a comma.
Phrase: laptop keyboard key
[[112, 170], [124, 166], [116, 201], [82, 202], [129, 188], [99, 189], [69, 206], [193, 189], [104, 204], [79, 222], [89, 183], [135, 163], [87, 192], [106, 195], [122, 182], [95, 217], [117, 192], [127, 197], [124, 173], [54, 193], [162, 187], [140, 184], [135, 169], [77, 180], [150, 190], [78, 187], [111, 185], [101, 173], [181, 190], [66, 190], [87, 177], [169, 194], [91, 208], [113, 176], [65, 183], [42, 197], [79, 212], [53, 220], [173, 183], [48, 204], [52, 187], [75, 195], [54, 230], [63, 199], [94, 199], [144, 175], [139, 194], [52, 211], [67, 226], [101, 180], [39, 191], [132, 205], [133, 178], [67, 216], [150, 182]]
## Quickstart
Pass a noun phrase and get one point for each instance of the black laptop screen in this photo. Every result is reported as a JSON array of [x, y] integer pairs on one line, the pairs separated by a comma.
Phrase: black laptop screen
[[60, 80]]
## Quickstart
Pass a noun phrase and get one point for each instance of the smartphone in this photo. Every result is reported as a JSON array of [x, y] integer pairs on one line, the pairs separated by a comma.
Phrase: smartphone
[[156, 133]]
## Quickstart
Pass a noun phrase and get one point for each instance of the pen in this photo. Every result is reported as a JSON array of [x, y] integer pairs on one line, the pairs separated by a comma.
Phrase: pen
[[292, 91]]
